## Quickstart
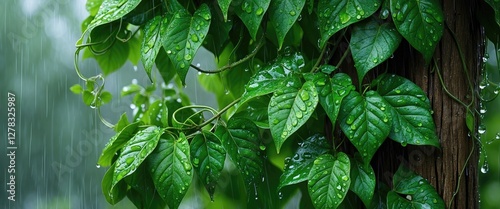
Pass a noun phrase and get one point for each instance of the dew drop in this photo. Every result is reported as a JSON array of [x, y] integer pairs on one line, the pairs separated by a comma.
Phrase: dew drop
[[98, 166], [259, 11], [485, 168]]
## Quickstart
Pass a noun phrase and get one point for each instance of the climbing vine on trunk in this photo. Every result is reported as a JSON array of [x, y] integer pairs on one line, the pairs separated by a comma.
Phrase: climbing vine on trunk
[[281, 92]]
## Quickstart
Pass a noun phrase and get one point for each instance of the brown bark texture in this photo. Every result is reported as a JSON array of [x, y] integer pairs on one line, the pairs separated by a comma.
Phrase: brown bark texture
[[453, 169]]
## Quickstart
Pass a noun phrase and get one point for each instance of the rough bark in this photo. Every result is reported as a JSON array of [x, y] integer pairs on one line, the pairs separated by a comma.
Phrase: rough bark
[[442, 168]]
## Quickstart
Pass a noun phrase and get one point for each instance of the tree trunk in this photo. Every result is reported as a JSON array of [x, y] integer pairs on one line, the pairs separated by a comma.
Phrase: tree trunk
[[442, 167]]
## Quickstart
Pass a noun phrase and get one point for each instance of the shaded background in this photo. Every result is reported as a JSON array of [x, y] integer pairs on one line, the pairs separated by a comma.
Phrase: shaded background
[[59, 139]]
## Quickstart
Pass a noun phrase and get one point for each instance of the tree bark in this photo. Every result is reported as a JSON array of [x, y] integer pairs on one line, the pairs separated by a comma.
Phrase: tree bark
[[442, 167]]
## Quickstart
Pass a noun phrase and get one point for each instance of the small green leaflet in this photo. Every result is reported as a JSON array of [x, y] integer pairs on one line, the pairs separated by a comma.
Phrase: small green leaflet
[[329, 180], [241, 141], [366, 121], [184, 36], [362, 180], [224, 7], [495, 4], [112, 10], [334, 15], [331, 91], [151, 43], [372, 43], [290, 108], [171, 168], [208, 156], [116, 143], [420, 22], [135, 152], [157, 114], [419, 193], [251, 13], [273, 77], [115, 194], [283, 14], [412, 121], [297, 168]]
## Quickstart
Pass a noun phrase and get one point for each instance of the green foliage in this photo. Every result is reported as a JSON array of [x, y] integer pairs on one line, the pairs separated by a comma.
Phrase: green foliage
[[274, 61]]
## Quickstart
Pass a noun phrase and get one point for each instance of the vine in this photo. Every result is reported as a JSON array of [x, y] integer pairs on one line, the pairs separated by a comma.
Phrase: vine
[[271, 126]]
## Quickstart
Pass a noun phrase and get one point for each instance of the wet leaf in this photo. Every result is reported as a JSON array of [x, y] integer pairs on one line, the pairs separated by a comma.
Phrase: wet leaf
[[171, 168], [111, 10], [329, 180], [142, 192], [418, 192], [208, 156], [134, 52], [184, 36], [412, 121], [362, 180], [366, 121], [76, 89], [256, 111], [241, 141], [290, 108], [157, 114], [496, 7], [116, 143], [151, 43], [331, 91], [135, 151], [122, 123], [371, 44], [297, 168], [334, 15], [92, 6], [420, 22], [114, 194], [251, 13], [273, 77], [283, 14], [224, 7]]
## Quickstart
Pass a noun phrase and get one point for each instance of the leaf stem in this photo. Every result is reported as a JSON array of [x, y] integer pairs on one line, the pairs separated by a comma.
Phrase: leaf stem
[[219, 114]]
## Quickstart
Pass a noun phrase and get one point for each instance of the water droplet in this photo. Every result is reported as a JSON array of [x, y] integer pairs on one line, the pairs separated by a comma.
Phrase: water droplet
[[481, 129], [194, 38], [304, 95], [259, 11], [253, 85], [485, 168], [196, 162], [187, 166], [350, 119], [98, 166], [292, 13], [409, 197], [344, 17], [345, 178], [298, 114], [129, 160]]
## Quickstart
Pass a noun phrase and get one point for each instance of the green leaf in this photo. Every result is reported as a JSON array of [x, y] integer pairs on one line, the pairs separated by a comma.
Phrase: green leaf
[[122, 123], [365, 120], [135, 151], [251, 13], [134, 45], [241, 141], [157, 114], [151, 43], [331, 91], [109, 52], [114, 194], [283, 14], [256, 111], [418, 193], [297, 168], [208, 156], [334, 15], [290, 108], [111, 10], [420, 22], [165, 66], [142, 190], [105, 97], [76, 89], [372, 43], [184, 36], [131, 89], [362, 180], [88, 97], [171, 168], [495, 4], [116, 143], [273, 77], [224, 7], [329, 180], [92, 6], [412, 121]]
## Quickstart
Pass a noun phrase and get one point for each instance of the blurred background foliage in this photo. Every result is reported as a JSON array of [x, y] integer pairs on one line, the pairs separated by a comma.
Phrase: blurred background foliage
[[59, 138]]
